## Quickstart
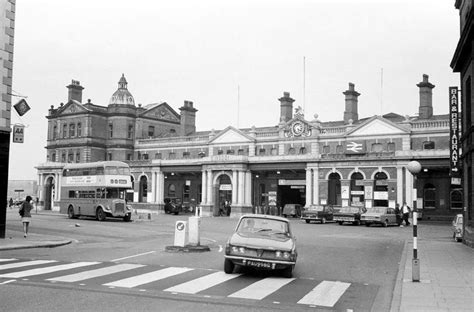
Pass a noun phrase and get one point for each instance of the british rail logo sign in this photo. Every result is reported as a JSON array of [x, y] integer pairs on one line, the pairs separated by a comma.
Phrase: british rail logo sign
[[355, 147], [454, 132]]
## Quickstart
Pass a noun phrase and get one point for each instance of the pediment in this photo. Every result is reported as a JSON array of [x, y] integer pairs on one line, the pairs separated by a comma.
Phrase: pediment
[[161, 111], [73, 107], [231, 135], [297, 127], [378, 126]]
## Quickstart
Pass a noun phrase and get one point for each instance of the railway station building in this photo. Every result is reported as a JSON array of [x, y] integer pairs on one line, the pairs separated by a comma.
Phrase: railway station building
[[301, 159]]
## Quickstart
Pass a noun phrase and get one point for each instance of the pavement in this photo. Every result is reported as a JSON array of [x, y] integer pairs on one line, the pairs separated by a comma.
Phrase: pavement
[[445, 267]]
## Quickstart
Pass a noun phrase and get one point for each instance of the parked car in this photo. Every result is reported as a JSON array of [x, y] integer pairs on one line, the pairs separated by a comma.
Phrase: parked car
[[172, 205], [457, 228], [379, 215], [321, 213], [293, 210], [349, 214], [263, 242]]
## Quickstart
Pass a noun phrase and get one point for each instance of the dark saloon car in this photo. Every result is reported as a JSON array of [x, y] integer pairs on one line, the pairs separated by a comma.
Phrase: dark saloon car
[[320, 213], [262, 242], [349, 214], [384, 216]]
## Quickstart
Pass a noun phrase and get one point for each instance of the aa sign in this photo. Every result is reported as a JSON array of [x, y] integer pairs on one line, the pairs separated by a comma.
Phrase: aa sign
[[18, 133]]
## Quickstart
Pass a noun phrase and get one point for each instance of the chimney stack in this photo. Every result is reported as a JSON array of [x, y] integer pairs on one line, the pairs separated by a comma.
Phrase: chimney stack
[[351, 104], [286, 107], [188, 118], [75, 91], [425, 109]]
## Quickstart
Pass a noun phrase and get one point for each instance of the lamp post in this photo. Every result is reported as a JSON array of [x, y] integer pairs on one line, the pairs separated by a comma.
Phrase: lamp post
[[415, 167]]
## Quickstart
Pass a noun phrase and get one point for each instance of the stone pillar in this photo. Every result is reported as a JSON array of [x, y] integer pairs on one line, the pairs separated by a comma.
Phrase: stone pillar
[[204, 187], [248, 188], [209, 187], [160, 190], [316, 186], [241, 188], [153, 186], [309, 187], [234, 187], [400, 185]]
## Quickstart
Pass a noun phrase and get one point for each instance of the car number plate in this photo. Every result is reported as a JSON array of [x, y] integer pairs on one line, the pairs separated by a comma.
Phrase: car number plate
[[258, 264]]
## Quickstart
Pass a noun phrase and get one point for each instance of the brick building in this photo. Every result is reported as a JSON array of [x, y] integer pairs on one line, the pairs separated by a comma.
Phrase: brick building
[[352, 161]]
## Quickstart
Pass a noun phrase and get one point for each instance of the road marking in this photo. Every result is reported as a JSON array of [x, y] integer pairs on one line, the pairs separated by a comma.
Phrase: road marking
[[95, 273], [262, 288], [326, 294], [142, 254], [148, 277], [24, 264], [6, 282], [5, 260], [202, 283], [46, 270]]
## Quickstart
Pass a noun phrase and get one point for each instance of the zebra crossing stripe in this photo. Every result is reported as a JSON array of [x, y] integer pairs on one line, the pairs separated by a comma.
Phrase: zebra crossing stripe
[[325, 294], [199, 284], [262, 288], [46, 270], [5, 260], [148, 277], [95, 273], [24, 264]]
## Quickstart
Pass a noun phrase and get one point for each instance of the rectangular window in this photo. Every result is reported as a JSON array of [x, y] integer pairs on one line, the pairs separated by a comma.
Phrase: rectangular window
[[129, 156], [55, 130], [111, 130], [109, 156], [241, 151], [63, 157], [145, 156], [72, 130], [428, 145], [158, 156], [391, 147], [79, 129], [78, 157], [326, 149], [151, 131], [130, 131], [70, 158], [53, 157], [186, 155], [64, 131]]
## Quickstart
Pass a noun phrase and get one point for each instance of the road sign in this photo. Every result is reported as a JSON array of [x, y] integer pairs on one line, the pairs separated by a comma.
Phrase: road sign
[[21, 107], [18, 133]]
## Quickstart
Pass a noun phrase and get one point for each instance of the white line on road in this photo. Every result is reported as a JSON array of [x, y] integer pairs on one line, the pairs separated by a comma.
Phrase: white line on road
[[4, 260], [262, 288], [95, 273], [202, 283], [326, 294], [148, 277], [142, 254], [46, 270], [24, 264], [6, 282]]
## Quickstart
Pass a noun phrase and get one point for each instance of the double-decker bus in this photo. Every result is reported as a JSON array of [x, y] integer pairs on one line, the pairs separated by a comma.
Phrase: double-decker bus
[[96, 189]]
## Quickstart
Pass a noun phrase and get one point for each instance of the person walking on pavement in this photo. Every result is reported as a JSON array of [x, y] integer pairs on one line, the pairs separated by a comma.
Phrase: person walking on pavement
[[406, 213], [25, 213], [10, 203], [398, 214]]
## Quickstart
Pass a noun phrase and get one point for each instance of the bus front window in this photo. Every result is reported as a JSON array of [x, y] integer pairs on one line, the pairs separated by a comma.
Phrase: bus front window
[[115, 193]]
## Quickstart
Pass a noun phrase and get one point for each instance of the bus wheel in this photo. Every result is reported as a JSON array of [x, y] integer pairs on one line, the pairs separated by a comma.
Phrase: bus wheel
[[70, 212], [100, 214]]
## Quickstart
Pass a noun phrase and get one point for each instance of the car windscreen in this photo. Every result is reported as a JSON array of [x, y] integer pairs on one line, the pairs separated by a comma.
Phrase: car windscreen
[[377, 210], [262, 225], [316, 208]]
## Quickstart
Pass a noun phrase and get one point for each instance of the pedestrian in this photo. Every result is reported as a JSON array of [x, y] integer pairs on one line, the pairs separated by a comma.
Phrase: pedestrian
[[398, 214], [10, 202], [406, 213], [25, 213], [227, 208]]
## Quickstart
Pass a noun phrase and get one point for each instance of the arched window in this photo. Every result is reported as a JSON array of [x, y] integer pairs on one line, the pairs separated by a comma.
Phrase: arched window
[[55, 130], [391, 147], [456, 199], [274, 151], [429, 196], [261, 152], [291, 151], [380, 189], [302, 150], [171, 190], [79, 129], [339, 149], [357, 189]]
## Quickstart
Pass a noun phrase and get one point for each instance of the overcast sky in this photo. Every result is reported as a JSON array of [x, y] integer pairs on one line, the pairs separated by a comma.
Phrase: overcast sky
[[205, 51]]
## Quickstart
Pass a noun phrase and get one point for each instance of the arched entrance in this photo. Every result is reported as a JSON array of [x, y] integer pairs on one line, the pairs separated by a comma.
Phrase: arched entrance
[[49, 191], [357, 189], [334, 189], [143, 190], [380, 189], [224, 192]]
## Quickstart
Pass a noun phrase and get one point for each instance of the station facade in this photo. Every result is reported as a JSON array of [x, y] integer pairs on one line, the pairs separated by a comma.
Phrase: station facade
[[352, 161]]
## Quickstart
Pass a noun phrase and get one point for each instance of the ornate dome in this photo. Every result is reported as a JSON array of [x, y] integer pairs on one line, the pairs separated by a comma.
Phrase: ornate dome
[[122, 95]]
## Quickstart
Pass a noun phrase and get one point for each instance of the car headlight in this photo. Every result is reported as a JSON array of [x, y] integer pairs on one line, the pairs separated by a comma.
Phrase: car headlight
[[282, 254], [237, 249]]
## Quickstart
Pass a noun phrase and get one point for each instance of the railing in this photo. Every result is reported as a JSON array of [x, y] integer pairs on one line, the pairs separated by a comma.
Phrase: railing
[[425, 124], [174, 140]]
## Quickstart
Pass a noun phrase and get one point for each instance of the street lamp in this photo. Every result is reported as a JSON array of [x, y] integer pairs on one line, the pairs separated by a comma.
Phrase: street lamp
[[415, 167]]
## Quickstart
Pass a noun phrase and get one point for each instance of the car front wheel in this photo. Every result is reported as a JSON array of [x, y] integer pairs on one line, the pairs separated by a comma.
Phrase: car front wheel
[[385, 223], [288, 272], [228, 266], [307, 220], [323, 220], [100, 214]]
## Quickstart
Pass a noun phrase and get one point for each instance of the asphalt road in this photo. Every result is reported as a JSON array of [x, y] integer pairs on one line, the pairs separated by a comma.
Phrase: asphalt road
[[363, 259]]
